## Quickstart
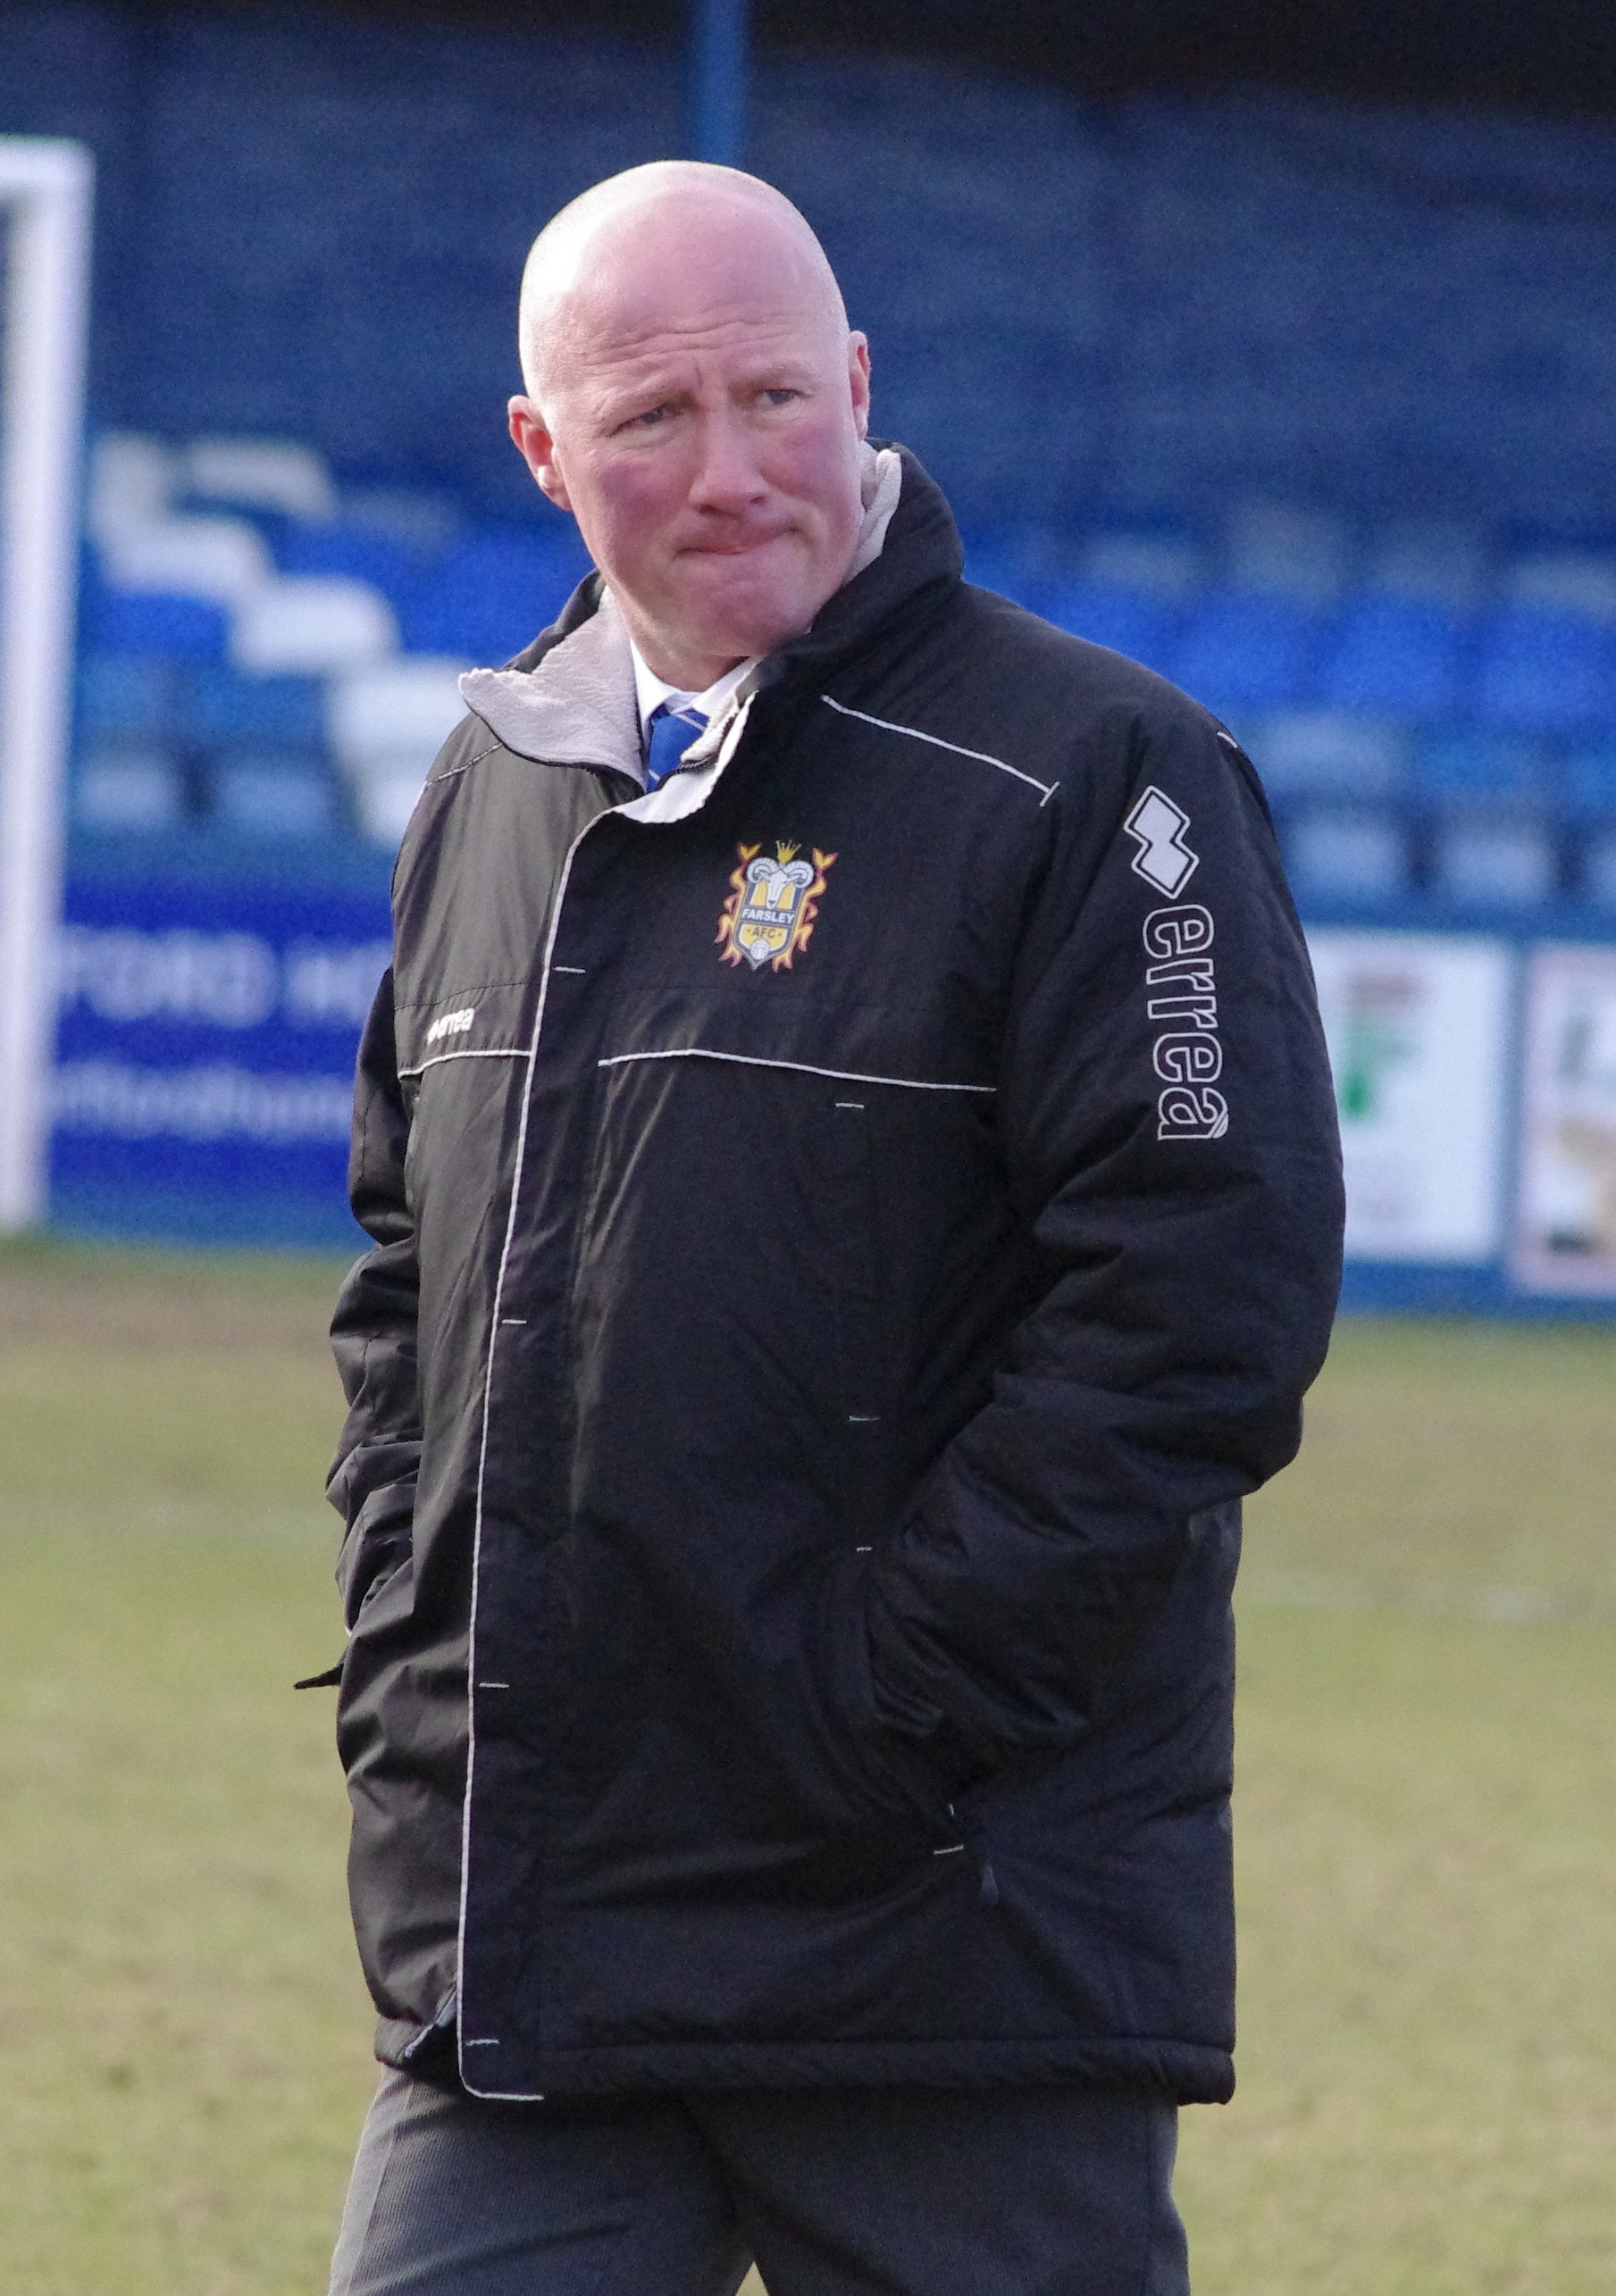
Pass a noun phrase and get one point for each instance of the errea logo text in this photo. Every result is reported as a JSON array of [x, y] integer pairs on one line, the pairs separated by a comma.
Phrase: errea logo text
[[451, 1024], [1188, 1056]]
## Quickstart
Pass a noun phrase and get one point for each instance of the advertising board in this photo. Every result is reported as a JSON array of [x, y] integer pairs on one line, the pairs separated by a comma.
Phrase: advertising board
[[207, 1032], [205, 1042], [1417, 1029], [1565, 1225]]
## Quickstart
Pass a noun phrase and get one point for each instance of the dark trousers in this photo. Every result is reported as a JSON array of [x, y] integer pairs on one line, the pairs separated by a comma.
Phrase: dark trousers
[[1018, 2191]]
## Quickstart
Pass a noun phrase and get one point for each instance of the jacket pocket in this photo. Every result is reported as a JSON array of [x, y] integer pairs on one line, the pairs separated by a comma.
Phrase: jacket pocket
[[863, 1776], [379, 1539]]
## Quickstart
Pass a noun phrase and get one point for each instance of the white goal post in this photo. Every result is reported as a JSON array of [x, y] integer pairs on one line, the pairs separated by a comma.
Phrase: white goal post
[[45, 208]]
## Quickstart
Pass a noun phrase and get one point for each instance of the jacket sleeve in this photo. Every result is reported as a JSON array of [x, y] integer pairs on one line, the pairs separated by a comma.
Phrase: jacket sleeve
[[1168, 1128], [372, 1480]]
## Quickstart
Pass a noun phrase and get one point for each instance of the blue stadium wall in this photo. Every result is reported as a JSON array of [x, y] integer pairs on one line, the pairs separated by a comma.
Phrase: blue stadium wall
[[311, 228]]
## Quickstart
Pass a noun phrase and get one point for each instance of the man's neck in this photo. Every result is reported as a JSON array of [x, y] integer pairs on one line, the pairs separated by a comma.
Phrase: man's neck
[[686, 674], [651, 691]]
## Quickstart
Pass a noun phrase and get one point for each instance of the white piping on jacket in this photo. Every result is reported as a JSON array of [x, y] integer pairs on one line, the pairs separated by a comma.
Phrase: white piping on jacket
[[469, 1052], [700, 788], [449, 772], [467, 2041], [937, 742], [798, 1067]]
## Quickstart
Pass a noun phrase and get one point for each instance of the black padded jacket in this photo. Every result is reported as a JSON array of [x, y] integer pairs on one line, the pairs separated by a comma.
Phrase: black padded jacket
[[850, 1226]]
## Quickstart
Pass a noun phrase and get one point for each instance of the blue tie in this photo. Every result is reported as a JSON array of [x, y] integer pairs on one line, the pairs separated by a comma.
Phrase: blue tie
[[668, 736]]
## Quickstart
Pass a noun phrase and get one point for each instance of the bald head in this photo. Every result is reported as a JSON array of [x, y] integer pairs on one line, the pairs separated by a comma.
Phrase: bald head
[[593, 246], [696, 400]]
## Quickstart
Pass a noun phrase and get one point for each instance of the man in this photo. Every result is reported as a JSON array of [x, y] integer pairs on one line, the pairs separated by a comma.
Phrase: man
[[856, 1202]]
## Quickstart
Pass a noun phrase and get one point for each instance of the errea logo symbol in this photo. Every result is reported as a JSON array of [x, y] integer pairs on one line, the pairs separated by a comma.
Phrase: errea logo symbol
[[1163, 859], [452, 1024]]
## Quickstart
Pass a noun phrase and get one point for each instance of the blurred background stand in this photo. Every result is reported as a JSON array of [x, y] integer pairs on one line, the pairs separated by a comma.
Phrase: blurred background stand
[[1281, 366], [1272, 348]]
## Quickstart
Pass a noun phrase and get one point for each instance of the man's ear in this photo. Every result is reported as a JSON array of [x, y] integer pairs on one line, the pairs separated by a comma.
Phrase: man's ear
[[536, 449], [858, 380]]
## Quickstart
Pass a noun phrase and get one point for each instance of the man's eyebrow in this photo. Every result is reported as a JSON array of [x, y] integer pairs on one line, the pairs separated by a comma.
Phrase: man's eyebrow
[[622, 398], [788, 372], [617, 401]]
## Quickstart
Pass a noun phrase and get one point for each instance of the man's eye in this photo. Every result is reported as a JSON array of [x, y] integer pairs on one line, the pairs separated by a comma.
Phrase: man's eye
[[650, 418], [781, 396]]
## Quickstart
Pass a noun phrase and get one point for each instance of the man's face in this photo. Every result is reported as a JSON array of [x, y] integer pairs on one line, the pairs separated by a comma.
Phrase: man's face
[[703, 410]]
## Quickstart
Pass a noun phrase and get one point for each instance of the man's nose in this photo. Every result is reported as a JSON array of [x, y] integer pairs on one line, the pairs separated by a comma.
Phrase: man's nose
[[727, 475]]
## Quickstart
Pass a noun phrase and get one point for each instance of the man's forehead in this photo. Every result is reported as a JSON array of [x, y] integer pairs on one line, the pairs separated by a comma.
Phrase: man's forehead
[[744, 331], [680, 259], [611, 341], [677, 363]]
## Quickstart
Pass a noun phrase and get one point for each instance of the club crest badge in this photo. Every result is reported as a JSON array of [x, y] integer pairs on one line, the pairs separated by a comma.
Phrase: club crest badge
[[773, 903]]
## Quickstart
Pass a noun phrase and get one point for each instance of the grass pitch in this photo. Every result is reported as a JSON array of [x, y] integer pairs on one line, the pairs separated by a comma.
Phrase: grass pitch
[[1424, 1818]]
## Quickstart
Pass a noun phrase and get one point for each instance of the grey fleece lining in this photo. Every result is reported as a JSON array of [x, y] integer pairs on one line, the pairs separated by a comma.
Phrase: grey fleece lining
[[880, 484], [578, 707]]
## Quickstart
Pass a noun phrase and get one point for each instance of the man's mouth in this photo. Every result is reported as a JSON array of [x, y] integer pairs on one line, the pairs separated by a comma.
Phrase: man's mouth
[[739, 546]]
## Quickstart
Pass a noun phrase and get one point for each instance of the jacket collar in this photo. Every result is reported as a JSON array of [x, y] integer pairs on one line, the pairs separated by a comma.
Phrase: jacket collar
[[576, 705], [569, 698]]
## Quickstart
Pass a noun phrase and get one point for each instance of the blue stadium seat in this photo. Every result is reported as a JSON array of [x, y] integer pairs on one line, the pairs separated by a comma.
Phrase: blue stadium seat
[[269, 794], [1587, 783], [219, 707], [1546, 671], [1596, 870], [1356, 854], [1397, 654], [1439, 561], [152, 621], [1329, 753], [1483, 771], [1291, 553], [1490, 798], [493, 593], [1588, 804], [1162, 557], [119, 790], [1131, 622], [1242, 650], [127, 696], [366, 554], [1565, 582], [1494, 862]]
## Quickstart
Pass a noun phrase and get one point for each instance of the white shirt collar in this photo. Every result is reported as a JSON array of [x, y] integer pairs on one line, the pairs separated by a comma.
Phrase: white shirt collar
[[651, 691]]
